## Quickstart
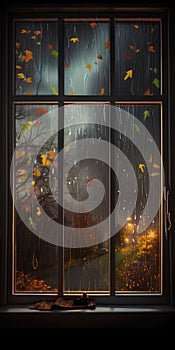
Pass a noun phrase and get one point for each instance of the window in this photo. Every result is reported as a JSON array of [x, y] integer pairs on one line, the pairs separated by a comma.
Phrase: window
[[88, 106]]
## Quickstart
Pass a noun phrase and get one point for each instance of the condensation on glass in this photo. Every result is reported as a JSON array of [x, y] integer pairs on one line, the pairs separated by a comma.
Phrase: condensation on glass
[[36, 58], [86, 268], [138, 255], [86, 58], [35, 260], [137, 57]]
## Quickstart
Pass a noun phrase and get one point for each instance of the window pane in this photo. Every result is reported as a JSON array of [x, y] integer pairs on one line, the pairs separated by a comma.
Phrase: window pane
[[86, 58], [86, 266], [36, 58], [36, 260], [137, 58], [138, 255]]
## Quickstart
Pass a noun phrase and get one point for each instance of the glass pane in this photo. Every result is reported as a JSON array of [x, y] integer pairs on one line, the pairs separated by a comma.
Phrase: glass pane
[[35, 259], [138, 254], [36, 58], [137, 58], [86, 58], [86, 265]]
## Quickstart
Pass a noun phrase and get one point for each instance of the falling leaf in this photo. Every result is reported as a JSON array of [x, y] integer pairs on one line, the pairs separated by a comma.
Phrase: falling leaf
[[155, 70], [107, 44], [33, 37], [23, 31], [100, 57], [151, 49], [147, 92], [131, 47], [28, 80], [128, 74], [150, 160], [55, 164], [67, 148], [146, 114], [24, 127], [102, 91], [89, 67], [21, 171], [136, 26], [137, 50], [37, 32], [54, 53], [50, 46], [38, 42], [39, 212], [55, 92], [156, 166], [93, 25], [66, 65], [33, 183], [72, 92], [142, 167], [152, 30], [36, 122], [20, 154], [30, 123], [51, 154], [21, 179], [18, 45], [136, 127], [36, 172], [41, 111], [155, 174], [28, 93], [128, 56], [74, 40], [27, 208], [45, 161], [18, 67], [90, 182], [20, 76], [95, 62], [156, 82]]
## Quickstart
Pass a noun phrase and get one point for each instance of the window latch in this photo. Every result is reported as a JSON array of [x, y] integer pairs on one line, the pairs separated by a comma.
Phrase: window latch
[[167, 214]]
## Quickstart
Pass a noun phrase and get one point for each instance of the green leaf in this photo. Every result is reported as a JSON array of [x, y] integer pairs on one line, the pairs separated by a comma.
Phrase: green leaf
[[156, 82], [146, 114], [155, 70], [136, 127], [55, 92], [54, 53]]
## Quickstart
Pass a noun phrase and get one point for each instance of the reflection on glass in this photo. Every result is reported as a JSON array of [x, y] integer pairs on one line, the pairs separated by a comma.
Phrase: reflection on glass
[[138, 255], [36, 261], [86, 268], [36, 58], [86, 66], [137, 58]]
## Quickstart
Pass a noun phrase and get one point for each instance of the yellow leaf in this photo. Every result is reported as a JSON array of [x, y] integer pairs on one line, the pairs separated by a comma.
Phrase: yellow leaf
[[72, 92], [20, 154], [74, 40], [36, 172], [24, 127], [20, 76], [128, 74], [33, 183], [142, 167], [45, 161], [39, 212], [33, 37], [67, 148], [21, 171], [30, 123], [18, 45]]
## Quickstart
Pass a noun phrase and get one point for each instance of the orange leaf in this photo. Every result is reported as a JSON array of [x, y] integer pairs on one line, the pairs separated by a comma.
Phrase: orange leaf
[[37, 32], [136, 26], [151, 49], [72, 92], [147, 92], [28, 93], [102, 91], [131, 47], [156, 166], [18, 67], [29, 80], [36, 172], [89, 67], [41, 111], [152, 30], [18, 45], [155, 174], [128, 56], [137, 50], [150, 159], [107, 44], [50, 46], [66, 65], [52, 154], [90, 182]]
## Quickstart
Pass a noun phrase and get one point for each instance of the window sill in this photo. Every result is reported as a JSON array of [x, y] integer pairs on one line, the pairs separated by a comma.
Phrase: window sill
[[101, 317]]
